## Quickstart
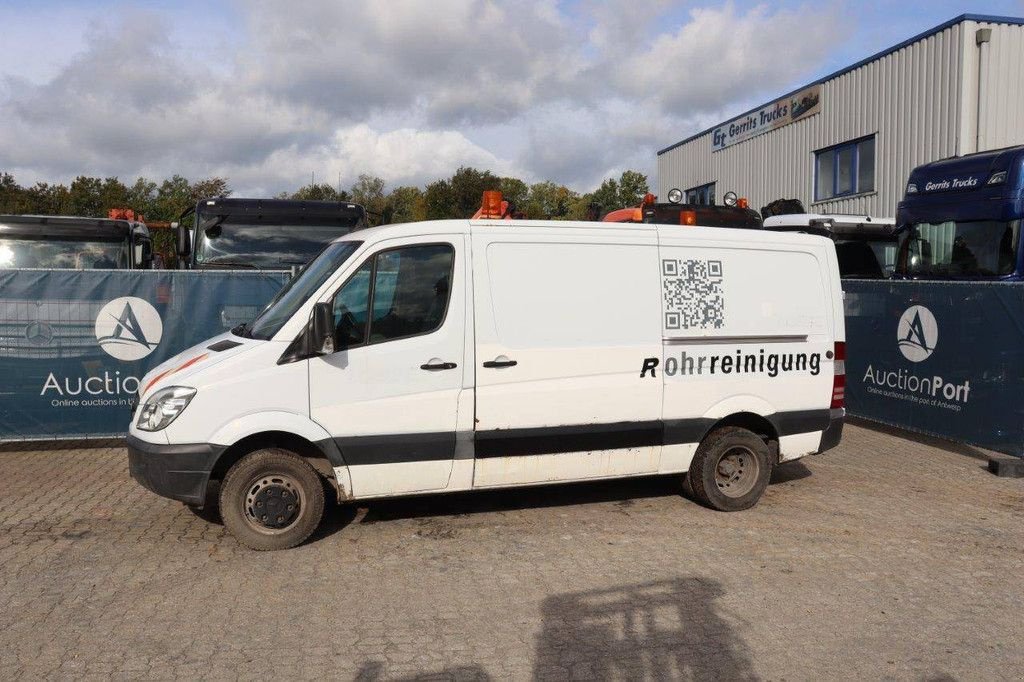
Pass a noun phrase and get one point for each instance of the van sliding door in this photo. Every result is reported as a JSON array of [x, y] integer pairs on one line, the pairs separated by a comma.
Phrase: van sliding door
[[564, 324]]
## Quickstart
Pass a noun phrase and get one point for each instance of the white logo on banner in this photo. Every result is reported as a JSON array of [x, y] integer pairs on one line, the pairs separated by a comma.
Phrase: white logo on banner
[[917, 333], [129, 328]]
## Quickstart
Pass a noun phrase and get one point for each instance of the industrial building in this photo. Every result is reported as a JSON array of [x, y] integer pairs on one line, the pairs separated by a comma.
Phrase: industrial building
[[847, 142]]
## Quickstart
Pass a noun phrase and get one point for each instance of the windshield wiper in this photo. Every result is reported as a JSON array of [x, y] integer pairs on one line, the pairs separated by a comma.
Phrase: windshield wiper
[[242, 330], [214, 224], [232, 262]]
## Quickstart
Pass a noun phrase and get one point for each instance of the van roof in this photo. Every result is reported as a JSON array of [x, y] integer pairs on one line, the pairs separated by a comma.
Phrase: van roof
[[464, 226]]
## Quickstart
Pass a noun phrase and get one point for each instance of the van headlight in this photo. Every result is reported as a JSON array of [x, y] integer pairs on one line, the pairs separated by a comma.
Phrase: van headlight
[[164, 407]]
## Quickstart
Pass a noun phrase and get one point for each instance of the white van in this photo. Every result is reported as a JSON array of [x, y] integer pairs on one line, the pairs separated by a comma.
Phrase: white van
[[456, 355]]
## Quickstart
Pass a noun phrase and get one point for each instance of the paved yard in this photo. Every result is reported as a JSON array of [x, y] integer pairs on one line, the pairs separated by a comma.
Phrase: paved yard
[[885, 558]]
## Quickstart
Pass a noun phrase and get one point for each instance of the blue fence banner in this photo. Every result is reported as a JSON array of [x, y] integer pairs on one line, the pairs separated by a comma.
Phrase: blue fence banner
[[75, 343], [942, 358]]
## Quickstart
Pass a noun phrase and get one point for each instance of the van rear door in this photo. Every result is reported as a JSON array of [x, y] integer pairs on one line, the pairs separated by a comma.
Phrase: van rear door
[[565, 317]]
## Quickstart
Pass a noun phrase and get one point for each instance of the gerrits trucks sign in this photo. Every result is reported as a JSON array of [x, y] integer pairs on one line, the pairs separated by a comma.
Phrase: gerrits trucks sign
[[780, 113]]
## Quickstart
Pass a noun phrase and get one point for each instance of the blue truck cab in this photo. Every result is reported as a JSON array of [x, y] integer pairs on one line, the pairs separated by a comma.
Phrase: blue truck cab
[[961, 218]]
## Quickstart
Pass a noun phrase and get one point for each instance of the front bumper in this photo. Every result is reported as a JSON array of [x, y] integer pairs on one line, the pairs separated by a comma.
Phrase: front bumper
[[180, 472], [832, 434]]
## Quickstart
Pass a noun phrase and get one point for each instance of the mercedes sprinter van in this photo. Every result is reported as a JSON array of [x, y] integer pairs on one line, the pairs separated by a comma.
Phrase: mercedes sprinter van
[[459, 355]]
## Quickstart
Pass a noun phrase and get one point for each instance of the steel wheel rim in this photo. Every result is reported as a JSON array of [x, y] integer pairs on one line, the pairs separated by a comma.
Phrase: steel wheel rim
[[273, 503], [737, 471]]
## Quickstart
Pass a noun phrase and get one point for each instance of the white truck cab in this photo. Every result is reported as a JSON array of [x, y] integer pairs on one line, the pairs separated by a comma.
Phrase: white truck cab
[[865, 246], [456, 355]]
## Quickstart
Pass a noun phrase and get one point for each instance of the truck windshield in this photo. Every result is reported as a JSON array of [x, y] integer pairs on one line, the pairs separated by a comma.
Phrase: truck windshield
[[976, 248], [222, 241], [866, 259], [298, 290], [70, 254]]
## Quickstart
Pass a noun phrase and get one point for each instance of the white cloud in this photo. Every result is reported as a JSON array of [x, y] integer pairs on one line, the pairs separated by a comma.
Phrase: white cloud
[[402, 89], [722, 55], [402, 157]]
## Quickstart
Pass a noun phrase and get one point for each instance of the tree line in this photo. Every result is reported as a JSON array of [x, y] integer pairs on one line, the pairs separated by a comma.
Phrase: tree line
[[454, 197]]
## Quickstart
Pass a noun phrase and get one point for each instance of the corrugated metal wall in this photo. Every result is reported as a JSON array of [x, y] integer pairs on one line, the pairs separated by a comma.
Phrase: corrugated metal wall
[[1002, 83], [909, 98]]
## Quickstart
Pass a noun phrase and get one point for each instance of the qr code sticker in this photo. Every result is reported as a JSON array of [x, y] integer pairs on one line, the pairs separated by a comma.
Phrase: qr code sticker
[[693, 293]]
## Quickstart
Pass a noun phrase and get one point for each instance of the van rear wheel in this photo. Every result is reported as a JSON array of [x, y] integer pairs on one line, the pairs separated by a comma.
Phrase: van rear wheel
[[271, 499], [730, 469]]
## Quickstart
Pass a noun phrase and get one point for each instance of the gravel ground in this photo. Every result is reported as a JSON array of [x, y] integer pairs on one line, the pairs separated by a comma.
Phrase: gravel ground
[[888, 557]]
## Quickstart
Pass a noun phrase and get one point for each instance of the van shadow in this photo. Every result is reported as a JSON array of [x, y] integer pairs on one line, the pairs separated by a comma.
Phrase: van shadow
[[512, 499], [667, 629], [789, 471], [624, 491]]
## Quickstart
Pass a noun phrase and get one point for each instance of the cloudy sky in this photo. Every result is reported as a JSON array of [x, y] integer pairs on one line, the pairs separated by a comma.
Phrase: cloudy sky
[[268, 92]]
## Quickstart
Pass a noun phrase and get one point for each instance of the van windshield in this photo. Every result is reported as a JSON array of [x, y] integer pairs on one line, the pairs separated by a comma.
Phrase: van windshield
[[298, 290], [974, 248]]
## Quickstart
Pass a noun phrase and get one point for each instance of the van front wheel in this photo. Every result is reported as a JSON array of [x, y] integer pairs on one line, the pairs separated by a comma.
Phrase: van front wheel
[[271, 499], [730, 469]]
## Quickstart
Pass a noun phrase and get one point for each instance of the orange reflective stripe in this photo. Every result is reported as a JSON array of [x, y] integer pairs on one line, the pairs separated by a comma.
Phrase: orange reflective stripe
[[169, 372]]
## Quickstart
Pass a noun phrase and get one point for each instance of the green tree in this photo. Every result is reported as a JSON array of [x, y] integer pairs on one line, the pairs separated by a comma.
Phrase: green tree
[[86, 194], [113, 194], [406, 205], [320, 192], [368, 192], [439, 200], [45, 199], [172, 198], [467, 189], [584, 208], [632, 188], [548, 200], [12, 196], [607, 196], [210, 188], [515, 192], [141, 197]]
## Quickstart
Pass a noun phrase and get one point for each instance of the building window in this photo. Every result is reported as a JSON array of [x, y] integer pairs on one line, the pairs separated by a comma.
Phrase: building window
[[702, 196], [845, 169]]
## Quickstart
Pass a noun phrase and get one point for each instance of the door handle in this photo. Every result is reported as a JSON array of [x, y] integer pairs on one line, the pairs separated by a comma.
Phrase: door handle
[[437, 366], [500, 363]]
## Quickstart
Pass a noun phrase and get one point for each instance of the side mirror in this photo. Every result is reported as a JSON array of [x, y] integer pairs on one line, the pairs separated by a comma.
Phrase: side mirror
[[183, 238], [137, 254], [322, 333]]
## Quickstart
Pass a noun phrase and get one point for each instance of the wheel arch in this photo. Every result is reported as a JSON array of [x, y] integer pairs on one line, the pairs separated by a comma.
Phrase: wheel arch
[[755, 423], [322, 455]]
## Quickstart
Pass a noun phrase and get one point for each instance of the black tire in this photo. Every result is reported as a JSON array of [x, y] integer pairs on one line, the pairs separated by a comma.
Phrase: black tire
[[280, 483], [730, 469]]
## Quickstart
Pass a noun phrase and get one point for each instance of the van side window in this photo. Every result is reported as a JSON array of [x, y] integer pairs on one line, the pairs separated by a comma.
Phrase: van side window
[[409, 287], [350, 305], [410, 291]]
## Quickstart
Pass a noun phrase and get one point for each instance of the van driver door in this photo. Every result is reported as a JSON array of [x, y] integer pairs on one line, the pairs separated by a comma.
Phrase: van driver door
[[389, 396]]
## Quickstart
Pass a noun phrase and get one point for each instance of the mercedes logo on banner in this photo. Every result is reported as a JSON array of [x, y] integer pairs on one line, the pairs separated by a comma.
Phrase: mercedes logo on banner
[[39, 333]]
